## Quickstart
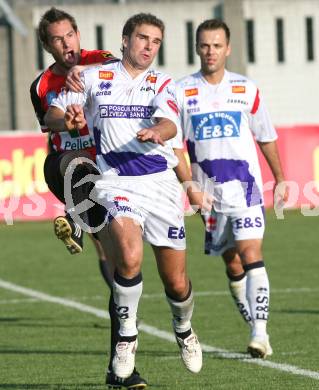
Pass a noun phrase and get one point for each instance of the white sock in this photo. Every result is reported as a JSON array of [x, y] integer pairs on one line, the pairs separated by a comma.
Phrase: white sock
[[238, 292], [182, 313], [127, 293], [258, 298]]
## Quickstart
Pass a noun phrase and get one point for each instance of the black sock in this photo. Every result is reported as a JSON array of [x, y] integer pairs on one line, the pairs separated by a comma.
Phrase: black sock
[[106, 273], [184, 335], [115, 327]]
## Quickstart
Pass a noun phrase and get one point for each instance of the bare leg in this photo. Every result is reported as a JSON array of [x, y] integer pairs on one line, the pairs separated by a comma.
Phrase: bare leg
[[237, 282]]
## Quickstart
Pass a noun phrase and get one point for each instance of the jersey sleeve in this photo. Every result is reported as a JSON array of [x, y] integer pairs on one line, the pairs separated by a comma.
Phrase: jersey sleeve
[[96, 57], [65, 99], [164, 103], [180, 124], [37, 105], [260, 122], [177, 141]]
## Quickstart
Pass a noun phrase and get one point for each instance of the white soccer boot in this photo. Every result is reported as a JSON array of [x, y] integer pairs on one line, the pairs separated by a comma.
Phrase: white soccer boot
[[191, 352], [259, 347], [124, 359]]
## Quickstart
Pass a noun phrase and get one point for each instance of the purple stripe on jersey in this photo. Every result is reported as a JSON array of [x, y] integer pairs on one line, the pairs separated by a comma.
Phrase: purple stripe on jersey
[[135, 164], [97, 139], [191, 151], [223, 170]]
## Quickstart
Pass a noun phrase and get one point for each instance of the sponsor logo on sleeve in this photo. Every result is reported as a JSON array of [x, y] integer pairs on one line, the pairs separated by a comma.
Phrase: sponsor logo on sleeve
[[171, 92], [238, 89], [191, 92], [106, 75]]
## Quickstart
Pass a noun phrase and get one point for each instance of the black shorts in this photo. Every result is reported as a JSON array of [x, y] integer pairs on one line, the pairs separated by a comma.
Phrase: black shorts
[[55, 167]]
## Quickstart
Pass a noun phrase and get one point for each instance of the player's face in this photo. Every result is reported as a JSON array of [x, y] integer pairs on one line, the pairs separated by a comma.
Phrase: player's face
[[142, 46], [213, 50], [64, 43]]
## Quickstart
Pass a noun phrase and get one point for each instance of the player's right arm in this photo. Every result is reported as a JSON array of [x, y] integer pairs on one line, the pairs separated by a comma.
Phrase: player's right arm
[[60, 120], [66, 111], [198, 199]]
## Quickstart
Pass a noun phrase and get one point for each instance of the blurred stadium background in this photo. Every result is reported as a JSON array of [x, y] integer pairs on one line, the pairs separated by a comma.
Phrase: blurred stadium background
[[274, 42]]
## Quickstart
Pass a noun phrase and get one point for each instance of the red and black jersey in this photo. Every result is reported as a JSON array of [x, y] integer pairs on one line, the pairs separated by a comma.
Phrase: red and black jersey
[[47, 86]]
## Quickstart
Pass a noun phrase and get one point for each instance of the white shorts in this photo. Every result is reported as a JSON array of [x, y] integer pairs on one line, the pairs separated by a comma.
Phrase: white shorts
[[153, 201], [222, 230]]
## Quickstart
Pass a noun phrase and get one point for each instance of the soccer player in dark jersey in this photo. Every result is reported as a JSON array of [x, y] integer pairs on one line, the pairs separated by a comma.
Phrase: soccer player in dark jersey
[[59, 35]]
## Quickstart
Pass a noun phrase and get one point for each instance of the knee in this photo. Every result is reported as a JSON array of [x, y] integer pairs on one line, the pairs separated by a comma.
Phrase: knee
[[177, 287], [129, 261], [233, 262], [234, 268], [250, 255]]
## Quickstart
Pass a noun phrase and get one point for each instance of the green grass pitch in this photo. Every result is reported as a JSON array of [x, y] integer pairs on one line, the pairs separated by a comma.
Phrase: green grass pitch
[[46, 345]]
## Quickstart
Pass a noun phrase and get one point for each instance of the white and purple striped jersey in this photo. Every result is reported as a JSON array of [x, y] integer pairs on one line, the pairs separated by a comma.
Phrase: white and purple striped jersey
[[120, 106], [218, 123]]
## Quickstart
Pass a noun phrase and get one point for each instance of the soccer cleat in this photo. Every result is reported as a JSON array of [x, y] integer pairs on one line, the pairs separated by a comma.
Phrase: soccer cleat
[[124, 359], [259, 347], [191, 352], [269, 349], [70, 233], [133, 382]]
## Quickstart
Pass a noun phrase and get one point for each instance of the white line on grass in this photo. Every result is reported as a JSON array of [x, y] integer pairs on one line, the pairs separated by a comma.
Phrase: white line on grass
[[225, 292], [11, 301], [50, 298], [161, 295], [162, 334]]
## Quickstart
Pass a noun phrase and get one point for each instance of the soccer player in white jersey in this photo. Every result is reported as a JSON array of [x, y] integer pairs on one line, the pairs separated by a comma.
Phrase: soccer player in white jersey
[[134, 112], [220, 113]]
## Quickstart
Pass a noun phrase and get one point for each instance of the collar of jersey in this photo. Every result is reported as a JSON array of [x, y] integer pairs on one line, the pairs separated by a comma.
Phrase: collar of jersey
[[122, 69]]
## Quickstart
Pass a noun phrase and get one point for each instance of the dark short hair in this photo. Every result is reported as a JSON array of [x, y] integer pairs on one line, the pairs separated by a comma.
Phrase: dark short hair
[[53, 15], [213, 24], [141, 18]]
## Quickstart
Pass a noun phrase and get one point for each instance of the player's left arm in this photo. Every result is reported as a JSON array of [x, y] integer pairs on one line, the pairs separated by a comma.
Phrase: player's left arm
[[165, 114], [270, 152], [266, 137]]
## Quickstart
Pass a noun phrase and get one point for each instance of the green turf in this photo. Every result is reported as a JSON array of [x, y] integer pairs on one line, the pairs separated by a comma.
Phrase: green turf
[[48, 346]]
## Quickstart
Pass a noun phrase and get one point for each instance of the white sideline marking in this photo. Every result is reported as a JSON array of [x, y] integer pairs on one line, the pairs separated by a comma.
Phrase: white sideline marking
[[11, 301], [153, 331], [226, 292], [161, 295], [50, 298]]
